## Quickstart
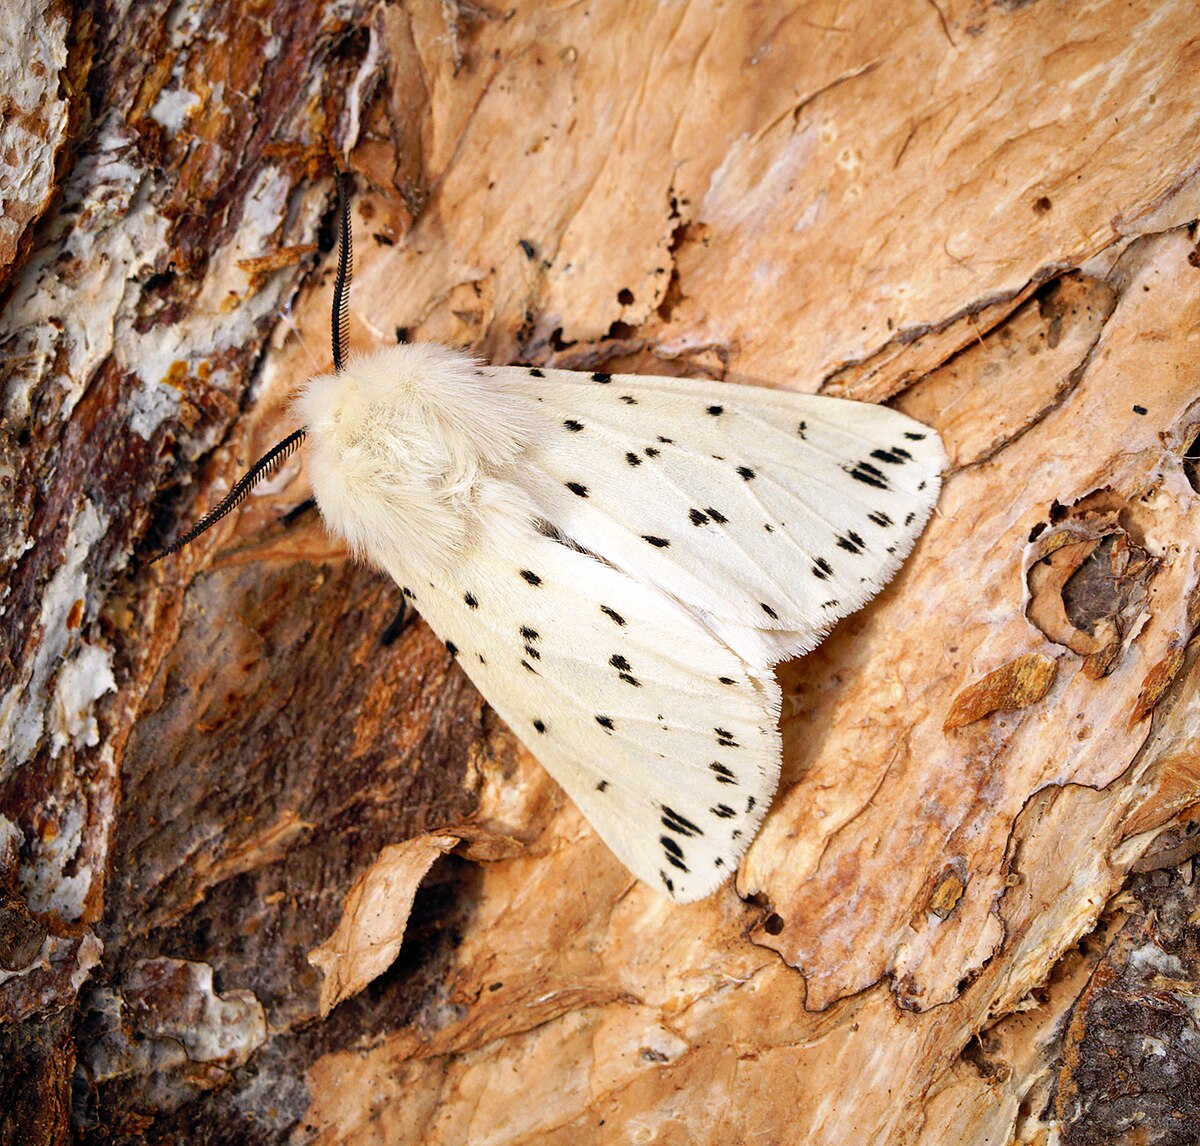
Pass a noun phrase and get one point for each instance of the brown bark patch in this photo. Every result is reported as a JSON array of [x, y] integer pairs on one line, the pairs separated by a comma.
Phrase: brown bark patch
[[1017, 684]]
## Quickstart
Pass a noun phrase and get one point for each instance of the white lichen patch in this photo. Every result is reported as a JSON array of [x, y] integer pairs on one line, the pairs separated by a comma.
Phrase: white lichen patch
[[168, 1014], [74, 305], [223, 1029], [60, 323], [57, 870], [24, 708], [33, 54], [11, 838], [151, 406], [81, 682], [44, 881], [154, 354], [172, 108]]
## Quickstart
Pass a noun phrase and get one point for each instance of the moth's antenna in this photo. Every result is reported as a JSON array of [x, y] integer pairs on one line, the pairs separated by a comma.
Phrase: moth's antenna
[[341, 285], [341, 336], [237, 495]]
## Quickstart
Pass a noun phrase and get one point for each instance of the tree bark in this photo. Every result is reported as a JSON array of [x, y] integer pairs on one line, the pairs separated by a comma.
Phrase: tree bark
[[272, 871]]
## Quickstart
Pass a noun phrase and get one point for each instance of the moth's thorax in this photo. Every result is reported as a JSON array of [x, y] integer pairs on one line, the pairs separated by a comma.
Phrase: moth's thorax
[[403, 445]]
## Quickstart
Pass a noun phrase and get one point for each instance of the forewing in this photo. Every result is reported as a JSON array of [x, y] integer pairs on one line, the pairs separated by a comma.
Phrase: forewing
[[766, 511]]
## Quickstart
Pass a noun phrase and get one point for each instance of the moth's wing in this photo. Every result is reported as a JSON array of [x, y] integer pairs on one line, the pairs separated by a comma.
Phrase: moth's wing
[[666, 739], [772, 513]]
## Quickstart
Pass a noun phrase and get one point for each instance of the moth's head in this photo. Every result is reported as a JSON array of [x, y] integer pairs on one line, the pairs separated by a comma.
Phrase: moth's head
[[400, 442], [401, 446]]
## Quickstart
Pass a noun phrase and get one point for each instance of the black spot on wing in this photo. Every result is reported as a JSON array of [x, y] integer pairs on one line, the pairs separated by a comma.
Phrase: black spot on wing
[[745, 473], [879, 518], [722, 811], [851, 542], [578, 489], [726, 680], [698, 518], [896, 456], [573, 425], [769, 611], [531, 577], [716, 411], [469, 598], [681, 825], [536, 373], [452, 648], [821, 568], [633, 459], [605, 722], [657, 542], [724, 775], [673, 852], [666, 441], [528, 633], [540, 725], [623, 670], [868, 474], [716, 515], [725, 739], [667, 882], [602, 378], [602, 786], [650, 452], [612, 614], [914, 437], [629, 399]]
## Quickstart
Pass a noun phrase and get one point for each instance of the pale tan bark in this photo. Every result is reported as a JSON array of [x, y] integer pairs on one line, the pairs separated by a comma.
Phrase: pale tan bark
[[969, 908]]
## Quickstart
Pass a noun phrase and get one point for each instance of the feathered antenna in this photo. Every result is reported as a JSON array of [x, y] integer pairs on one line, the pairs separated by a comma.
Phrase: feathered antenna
[[237, 495], [341, 286], [278, 453]]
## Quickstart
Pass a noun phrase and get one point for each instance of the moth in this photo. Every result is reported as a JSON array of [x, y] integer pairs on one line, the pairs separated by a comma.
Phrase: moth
[[616, 561]]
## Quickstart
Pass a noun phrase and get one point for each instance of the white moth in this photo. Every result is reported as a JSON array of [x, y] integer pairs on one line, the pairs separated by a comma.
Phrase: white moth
[[618, 561]]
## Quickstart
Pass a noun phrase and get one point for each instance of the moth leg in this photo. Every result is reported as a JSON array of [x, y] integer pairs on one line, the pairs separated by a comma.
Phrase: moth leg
[[397, 625]]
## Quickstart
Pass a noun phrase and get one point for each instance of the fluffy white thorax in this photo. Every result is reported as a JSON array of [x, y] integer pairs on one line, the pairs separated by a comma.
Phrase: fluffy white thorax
[[404, 448]]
